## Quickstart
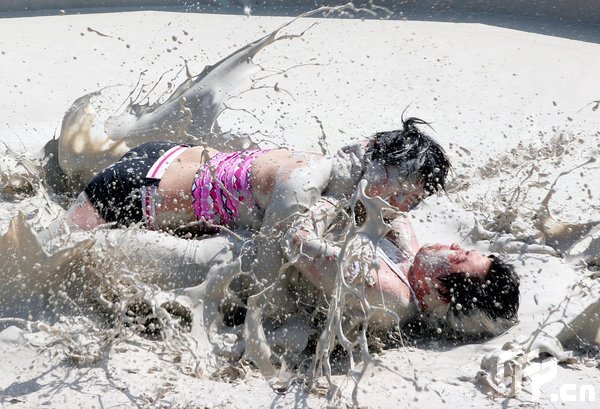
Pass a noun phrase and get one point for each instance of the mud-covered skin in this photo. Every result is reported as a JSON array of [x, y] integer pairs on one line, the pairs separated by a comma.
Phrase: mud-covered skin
[[311, 247], [396, 274]]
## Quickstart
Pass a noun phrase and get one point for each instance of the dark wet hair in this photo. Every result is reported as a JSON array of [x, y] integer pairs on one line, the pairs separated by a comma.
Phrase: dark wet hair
[[414, 152], [495, 296]]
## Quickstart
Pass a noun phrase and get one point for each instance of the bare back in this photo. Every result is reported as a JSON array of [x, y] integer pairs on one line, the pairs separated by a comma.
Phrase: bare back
[[291, 176], [174, 203]]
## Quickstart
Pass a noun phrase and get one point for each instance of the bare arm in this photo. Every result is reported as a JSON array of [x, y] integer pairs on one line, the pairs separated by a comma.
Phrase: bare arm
[[297, 187], [299, 184], [307, 247]]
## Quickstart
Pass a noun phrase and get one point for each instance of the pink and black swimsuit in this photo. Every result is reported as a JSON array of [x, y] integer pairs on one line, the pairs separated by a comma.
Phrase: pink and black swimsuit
[[124, 193], [223, 185]]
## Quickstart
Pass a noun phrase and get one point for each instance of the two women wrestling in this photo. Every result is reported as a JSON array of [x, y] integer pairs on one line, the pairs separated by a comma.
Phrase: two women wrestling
[[295, 197]]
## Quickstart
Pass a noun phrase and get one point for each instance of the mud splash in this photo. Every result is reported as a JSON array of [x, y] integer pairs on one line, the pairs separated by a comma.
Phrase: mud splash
[[142, 287], [514, 199], [189, 115], [89, 291], [90, 141], [518, 218]]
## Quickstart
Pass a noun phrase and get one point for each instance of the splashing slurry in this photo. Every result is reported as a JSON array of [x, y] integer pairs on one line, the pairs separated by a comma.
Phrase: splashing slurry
[[90, 292], [189, 115], [518, 218], [156, 319]]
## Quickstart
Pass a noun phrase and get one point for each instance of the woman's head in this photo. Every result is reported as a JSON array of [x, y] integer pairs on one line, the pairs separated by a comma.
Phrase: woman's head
[[486, 306], [473, 293], [413, 164]]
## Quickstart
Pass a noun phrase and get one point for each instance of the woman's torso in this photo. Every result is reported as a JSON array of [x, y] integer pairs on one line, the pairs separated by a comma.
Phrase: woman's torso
[[388, 286], [175, 202]]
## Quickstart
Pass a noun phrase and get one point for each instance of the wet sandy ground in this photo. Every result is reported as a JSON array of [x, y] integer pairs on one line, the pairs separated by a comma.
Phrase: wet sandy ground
[[485, 88]]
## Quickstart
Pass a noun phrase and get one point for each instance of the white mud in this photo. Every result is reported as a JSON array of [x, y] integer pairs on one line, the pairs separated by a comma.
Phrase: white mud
[[138, 318]]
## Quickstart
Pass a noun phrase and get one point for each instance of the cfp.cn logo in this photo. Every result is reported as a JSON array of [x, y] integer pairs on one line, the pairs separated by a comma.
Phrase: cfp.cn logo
[[514, 367]]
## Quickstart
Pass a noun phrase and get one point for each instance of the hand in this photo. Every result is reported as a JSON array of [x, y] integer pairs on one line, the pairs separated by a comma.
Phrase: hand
[[352, 156]]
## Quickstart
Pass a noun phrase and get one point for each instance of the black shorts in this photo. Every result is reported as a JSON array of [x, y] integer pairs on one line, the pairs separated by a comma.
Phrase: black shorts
[[116, 192]]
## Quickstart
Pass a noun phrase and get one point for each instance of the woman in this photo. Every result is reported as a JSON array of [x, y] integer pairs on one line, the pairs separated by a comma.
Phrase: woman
[[463, 290], [166, 186]]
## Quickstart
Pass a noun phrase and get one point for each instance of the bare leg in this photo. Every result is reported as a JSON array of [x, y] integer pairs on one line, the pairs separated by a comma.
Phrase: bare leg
[[155, 257], [82, 215]]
